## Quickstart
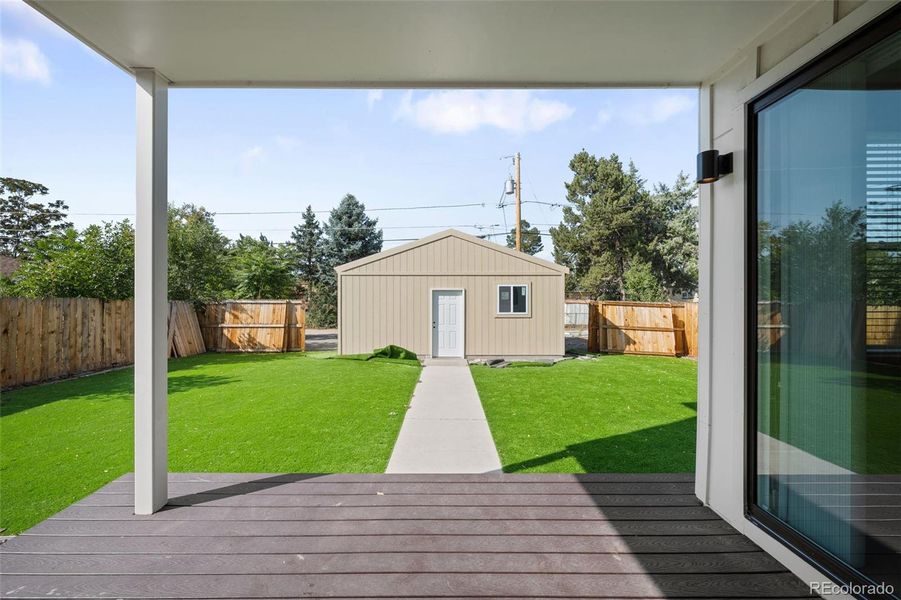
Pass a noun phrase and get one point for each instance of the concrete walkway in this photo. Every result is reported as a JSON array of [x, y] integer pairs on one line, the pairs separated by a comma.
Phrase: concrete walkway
[[445, 429]]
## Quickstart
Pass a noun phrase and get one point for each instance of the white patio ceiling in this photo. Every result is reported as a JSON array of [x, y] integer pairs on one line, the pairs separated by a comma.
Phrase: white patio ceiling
[[384, 43]]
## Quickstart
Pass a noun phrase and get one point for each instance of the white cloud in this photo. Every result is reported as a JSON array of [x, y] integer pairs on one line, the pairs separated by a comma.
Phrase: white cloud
[[462, 111], [251, 156], [373, 96], [665, 108], [286, 142], [648, 112], [605, 115], [22, 59]]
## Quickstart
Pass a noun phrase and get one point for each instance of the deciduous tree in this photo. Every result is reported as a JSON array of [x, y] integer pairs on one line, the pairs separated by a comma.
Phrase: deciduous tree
[[96, 263], [199, 265], [23, 221], [262, 269]]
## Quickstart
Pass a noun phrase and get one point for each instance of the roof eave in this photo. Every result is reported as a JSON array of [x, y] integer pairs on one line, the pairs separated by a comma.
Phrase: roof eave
[[340, 269]]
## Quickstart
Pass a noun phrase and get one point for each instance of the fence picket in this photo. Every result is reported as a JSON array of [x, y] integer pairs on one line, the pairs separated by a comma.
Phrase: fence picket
[[642, 328], [254, 326]]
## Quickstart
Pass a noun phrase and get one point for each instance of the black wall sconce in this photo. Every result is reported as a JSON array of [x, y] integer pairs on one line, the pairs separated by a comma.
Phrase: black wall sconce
[[712, 166]]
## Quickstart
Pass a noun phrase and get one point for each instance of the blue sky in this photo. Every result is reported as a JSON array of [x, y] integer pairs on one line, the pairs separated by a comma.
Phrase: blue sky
[[67, 121]]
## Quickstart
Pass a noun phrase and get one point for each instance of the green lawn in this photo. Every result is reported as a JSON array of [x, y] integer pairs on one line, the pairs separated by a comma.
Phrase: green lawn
[[227, 413], [864, 405], [613, 414]]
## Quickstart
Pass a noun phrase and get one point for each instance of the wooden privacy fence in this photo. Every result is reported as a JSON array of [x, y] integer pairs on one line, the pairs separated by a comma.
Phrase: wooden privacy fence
[[661, 328], [801, 325], [884, 327], [49, 338], [185, 338], [254, 326]]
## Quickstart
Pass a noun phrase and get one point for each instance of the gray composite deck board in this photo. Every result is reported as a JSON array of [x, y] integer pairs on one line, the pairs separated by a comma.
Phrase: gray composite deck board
[[389, 513], [354, 536], [373, 500], [401, 488]]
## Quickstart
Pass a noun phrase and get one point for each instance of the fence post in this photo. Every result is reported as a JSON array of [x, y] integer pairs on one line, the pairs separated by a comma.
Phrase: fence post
[[286, 337], [171, 325], [593, 327], [303, 328], [602, 327]]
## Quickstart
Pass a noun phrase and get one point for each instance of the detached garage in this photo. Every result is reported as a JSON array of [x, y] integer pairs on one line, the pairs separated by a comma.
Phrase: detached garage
[[452, 295]]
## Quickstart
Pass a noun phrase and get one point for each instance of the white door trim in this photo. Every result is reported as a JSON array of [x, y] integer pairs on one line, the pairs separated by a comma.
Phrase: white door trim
[[433, 329]]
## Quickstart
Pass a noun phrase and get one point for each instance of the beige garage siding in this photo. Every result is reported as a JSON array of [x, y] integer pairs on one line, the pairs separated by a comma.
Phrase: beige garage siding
[[451, 255], [387, 299]]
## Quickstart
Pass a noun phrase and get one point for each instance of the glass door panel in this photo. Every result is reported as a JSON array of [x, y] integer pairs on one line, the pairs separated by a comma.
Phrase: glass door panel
[[827, 365]]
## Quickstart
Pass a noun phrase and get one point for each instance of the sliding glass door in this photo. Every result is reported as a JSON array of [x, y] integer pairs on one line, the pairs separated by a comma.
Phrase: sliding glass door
[[825, 310]]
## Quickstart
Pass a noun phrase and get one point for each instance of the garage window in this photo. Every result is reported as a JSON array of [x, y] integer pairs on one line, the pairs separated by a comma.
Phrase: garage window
[[513, 299]]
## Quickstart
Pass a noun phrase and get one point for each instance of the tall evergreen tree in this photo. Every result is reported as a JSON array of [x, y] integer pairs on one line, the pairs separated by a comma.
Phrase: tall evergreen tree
[[349, 235], [531, 238], [675, 252], [307, 243], [607, 223]]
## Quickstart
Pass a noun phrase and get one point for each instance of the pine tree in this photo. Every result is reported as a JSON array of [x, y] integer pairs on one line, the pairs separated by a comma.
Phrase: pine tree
[[307, 243], [676, 251], [608, 223], [531, 238], [349, 235]]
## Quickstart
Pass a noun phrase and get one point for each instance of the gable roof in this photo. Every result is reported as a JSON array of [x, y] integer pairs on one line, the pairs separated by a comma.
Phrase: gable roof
[[455, 234]]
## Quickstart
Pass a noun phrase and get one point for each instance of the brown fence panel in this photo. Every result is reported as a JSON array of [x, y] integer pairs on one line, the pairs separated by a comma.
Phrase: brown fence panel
[[637, 328], [659, 328], [595, 312], [185, 338], [48, 338], [254, 326], [208, 316], [685, 323], [42, 339], [884, 327], [297, 327], [777, 323]]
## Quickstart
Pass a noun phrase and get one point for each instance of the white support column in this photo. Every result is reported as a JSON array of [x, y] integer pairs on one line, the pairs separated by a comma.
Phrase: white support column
[[151, 305], [705, 298]]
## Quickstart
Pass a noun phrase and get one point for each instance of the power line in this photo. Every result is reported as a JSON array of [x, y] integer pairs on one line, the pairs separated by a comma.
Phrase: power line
[[479, 227], [295, 212], [486, 235], [551, 204]]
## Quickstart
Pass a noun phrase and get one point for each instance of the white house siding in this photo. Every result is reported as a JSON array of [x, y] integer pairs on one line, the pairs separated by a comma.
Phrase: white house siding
[[806, 32]]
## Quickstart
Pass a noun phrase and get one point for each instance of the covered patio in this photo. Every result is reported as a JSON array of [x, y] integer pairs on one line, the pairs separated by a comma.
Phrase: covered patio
[[162, 534], [351, 536]]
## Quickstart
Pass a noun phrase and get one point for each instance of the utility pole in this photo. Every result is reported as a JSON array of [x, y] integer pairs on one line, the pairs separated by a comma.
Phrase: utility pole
[[516, 162]]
